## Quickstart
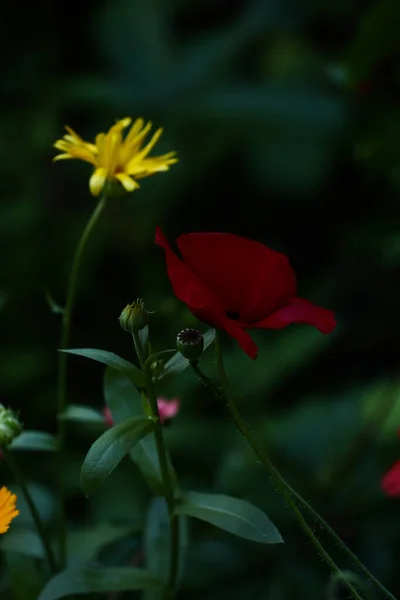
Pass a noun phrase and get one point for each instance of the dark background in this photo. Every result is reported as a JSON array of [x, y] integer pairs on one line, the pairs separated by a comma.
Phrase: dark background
[[285, 116]]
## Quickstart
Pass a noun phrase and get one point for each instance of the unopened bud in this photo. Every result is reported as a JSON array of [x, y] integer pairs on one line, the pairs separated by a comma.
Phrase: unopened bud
[[10, 426], [134, 317], [190, 343]]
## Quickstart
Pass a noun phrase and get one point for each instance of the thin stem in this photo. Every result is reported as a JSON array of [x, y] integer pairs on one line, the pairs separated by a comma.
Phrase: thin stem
[[273, 471], [165, 472], [19, 478], [62, 368], [316, 516]]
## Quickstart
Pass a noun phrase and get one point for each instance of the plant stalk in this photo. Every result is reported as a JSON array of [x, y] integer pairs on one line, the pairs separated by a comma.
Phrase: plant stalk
[[62, 369]]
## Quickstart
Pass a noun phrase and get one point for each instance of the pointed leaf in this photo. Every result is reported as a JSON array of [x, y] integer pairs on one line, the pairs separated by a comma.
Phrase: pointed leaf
[[112, 360], [109, 449], [34, 440], [178, 363], [88, 580], [124, 401], [231, 514]]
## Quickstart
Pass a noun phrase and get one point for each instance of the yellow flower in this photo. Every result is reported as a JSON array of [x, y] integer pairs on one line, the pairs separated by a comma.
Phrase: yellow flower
[[7, 508], [116, 158]]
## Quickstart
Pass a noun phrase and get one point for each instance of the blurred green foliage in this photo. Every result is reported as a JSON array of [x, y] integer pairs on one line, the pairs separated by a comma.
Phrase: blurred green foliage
[[285, 117]]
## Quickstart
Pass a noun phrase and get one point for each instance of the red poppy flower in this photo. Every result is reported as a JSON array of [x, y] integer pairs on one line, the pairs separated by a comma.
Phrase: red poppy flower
[[235, 284]]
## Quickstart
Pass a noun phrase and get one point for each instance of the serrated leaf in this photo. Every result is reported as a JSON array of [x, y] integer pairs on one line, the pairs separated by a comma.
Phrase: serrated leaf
[[178, 363], [111, 360], [84, 414], [109, 449], [231, 514], [34, 440], [88, 580]]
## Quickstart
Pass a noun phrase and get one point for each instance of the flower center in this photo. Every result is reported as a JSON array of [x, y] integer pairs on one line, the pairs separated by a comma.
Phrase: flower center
[[231, 314]]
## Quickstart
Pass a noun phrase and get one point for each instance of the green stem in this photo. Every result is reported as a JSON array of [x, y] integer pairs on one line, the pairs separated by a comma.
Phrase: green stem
[[62, 368], [165, 473], [19, 478], [315, 515], [275, 475]]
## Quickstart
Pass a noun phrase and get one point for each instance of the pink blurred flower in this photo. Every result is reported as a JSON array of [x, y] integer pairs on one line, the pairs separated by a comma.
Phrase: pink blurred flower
[[167, 409], [108, 417]]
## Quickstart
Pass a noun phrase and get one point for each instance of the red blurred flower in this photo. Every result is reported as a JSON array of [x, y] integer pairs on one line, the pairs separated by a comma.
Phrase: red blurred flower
[[391, 481], [234, 284], [167, 409]]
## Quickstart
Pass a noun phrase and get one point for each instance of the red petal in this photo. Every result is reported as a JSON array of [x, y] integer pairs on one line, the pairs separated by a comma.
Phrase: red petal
[[247, 277], [241, 336], [191, 290], [391, 481], [188, 287], [300, 311]]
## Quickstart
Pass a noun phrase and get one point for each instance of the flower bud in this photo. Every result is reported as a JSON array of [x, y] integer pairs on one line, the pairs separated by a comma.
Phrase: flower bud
[[10, 427], [190, 344], [134, 317]]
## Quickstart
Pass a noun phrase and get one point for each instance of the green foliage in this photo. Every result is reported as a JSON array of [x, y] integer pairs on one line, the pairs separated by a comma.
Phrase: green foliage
[[86, 580], [111, 360], [109, 449], [285, 118], [34, 440], [231, 514]]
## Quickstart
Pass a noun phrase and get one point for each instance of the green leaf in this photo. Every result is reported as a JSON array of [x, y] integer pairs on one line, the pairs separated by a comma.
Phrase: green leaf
[[112, 360], [124, 401], [121, 396], [109, 449], [84, 414], [157, 543], [157, 539], [231, 514], [34, 440], [85, 544], [24, 541], [144, 455], [88, 580], [178, 363]]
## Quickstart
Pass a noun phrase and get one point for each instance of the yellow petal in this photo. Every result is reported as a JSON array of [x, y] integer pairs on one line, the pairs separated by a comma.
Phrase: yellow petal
[[97, 181], [62, 157], [134, 130], [120, 125], [128, 183], [144, 152]]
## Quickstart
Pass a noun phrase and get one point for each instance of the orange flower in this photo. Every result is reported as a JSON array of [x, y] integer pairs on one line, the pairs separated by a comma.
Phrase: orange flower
[[8, 510]]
